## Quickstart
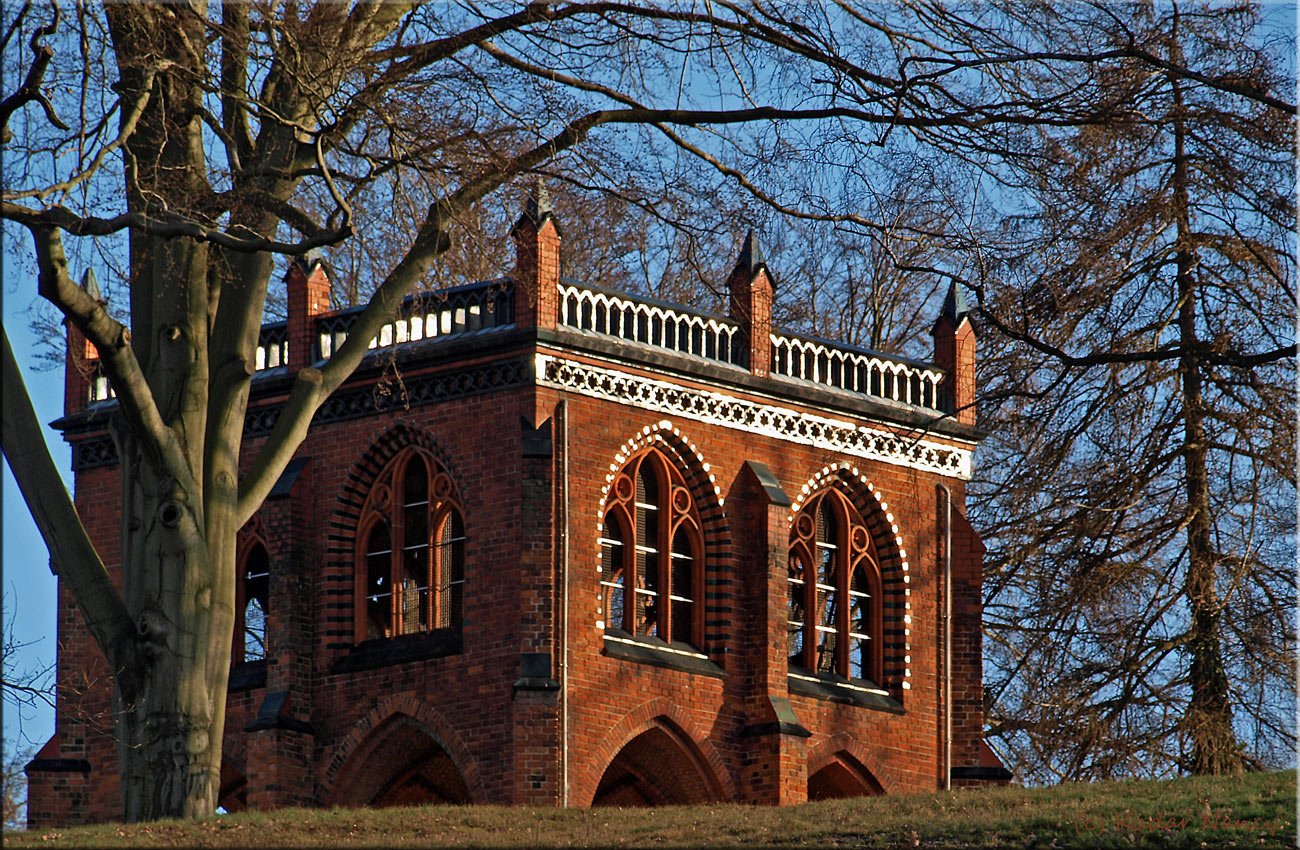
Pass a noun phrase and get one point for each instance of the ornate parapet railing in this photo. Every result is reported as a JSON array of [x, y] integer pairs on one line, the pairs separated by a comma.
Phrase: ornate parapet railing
[[272, 351], [272, 346], [718, 338], [856, 370], [485, 306], [650, 322], [444, 313], [434, 315]]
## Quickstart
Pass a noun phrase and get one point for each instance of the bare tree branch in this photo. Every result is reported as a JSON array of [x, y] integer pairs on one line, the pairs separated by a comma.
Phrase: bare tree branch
[[113, 340], [127, 127], [72, 554], [167, 226], [30, 90]]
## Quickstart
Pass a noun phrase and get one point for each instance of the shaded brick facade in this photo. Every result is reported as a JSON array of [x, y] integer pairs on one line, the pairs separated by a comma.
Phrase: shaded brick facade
[[531, 397]]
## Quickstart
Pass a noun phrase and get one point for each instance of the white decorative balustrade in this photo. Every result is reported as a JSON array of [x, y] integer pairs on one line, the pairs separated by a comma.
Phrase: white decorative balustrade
[[485, 306], [650, 322], [272, 346], [856, 370], [445, 313]]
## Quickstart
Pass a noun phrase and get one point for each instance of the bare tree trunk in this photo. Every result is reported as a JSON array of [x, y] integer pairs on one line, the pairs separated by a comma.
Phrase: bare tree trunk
[[1209, 714], [170, 736], [177, 543]]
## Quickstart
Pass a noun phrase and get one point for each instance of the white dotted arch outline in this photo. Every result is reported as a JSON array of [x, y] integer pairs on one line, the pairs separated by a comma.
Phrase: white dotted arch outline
[[826, 476], [647, 437]]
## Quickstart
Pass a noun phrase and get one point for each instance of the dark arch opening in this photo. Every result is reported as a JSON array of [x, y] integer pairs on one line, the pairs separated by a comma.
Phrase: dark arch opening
[[404, 767], [843, 777], [655, 769], [233, 793]]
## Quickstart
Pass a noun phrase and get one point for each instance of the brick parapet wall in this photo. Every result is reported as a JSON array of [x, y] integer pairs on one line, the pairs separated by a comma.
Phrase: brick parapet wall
[[80, 361], [750, 304], [537, 272], [307, 296]]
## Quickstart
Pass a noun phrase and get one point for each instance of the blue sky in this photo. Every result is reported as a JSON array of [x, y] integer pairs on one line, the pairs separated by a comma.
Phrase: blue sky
[[29, 587]]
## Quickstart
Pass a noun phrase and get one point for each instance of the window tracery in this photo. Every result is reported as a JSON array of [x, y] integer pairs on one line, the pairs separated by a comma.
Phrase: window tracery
[[251, 604], [411, 551], [835, 591], [652, 553]]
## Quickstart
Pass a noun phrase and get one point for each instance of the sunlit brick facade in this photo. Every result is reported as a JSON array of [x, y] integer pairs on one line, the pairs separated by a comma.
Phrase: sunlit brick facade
[[557, 545]]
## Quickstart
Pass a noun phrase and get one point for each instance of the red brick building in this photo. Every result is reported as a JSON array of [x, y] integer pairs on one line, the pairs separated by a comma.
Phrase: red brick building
[[558, 545]]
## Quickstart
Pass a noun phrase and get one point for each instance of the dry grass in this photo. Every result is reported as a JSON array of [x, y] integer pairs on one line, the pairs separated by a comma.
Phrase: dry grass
[[1257, 810]]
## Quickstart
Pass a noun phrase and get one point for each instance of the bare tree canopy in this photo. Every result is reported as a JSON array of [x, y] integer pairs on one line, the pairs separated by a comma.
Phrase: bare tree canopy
[[1139, 481], [1101, 179]]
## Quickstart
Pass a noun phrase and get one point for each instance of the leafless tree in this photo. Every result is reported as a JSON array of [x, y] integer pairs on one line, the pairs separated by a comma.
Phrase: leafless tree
[[1138, 488]]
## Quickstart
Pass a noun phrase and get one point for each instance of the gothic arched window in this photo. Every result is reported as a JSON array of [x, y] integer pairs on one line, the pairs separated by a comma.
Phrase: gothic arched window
[[834, 582], [410, 551], [251, 598], [652, 553]]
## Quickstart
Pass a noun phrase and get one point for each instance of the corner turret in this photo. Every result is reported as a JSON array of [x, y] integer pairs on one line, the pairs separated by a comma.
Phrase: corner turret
[[750, 286], [954, 352]]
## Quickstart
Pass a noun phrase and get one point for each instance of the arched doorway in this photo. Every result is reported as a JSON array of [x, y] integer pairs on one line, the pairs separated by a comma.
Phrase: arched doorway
[[233, 794], [656, 768], [842, 776], [402, 764]]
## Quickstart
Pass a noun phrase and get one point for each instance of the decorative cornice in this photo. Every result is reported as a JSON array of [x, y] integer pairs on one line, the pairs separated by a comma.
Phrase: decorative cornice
[[94, 452], [753, 417], [350, 403], [609, 384]]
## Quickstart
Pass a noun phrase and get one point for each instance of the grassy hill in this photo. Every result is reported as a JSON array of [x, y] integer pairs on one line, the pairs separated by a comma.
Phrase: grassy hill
[[1257, 810]]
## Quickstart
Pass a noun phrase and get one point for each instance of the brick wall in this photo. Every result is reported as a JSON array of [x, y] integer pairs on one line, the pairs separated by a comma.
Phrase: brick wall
[[526, 705]]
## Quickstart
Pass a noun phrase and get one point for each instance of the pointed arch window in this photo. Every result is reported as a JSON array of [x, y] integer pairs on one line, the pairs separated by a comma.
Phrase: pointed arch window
[[652, 553], [411, 551], [252, 595], [834, 591]]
